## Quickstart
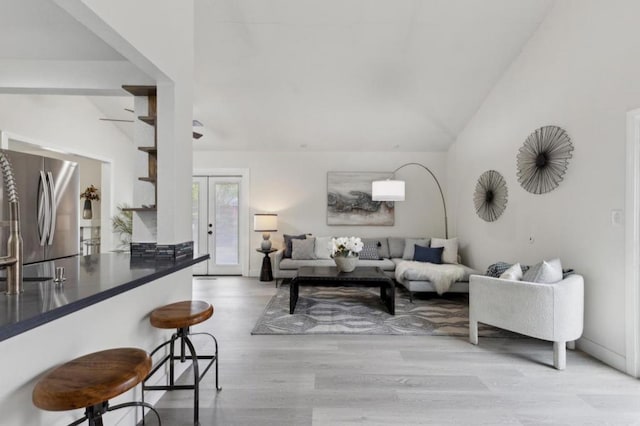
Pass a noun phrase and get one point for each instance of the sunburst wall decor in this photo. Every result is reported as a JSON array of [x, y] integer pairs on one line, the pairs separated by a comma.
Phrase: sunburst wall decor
[[543, 159], [490, 196]]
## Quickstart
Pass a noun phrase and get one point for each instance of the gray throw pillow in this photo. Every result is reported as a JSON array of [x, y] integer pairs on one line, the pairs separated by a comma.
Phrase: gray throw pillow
[[303, 249], [409, 248], [545, 272], [381, 246], [369, 251], [396, 247], [287, 243]]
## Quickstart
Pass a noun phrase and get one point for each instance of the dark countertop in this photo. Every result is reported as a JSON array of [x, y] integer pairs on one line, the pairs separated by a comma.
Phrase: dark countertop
[[89, 280]]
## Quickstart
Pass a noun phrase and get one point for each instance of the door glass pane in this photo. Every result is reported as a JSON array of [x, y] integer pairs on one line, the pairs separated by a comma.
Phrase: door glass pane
[[226, 223], [195, 216]]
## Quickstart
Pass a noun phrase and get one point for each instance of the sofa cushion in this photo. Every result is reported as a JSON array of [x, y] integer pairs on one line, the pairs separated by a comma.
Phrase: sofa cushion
[[514, 273], [410, 243], [369, 250], [303, 249], [322, 250], [450, 253], [381, 243], [288, 248], [396, 247], [428, 254]]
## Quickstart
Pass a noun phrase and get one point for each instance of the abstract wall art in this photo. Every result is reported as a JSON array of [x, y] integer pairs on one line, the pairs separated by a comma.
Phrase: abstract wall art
[[349, 200]]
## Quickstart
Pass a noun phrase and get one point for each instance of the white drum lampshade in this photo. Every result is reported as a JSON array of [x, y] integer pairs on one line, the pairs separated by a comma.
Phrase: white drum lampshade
[[265, 223], [387, 190]]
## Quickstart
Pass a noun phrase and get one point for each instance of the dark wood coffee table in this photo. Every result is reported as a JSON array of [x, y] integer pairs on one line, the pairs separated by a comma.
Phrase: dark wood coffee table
[[365, 276]]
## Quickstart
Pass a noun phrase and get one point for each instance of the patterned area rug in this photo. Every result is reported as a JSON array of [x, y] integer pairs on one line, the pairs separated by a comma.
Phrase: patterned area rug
[[359, 310]]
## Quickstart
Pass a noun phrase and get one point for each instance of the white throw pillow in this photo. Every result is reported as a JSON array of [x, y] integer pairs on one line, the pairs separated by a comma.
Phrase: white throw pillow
[[322, 248], [450, 252], [545, 272], [514, 273]]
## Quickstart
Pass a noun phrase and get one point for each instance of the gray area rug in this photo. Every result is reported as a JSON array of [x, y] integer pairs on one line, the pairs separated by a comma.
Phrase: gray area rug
[[359, 310]]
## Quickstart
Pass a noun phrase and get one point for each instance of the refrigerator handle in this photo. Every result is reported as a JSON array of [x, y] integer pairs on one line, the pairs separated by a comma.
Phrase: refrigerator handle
[[53, 213], [43, 209]]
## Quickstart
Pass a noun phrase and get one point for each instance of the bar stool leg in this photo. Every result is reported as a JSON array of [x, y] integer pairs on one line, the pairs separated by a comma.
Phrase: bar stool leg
[[196, 379]]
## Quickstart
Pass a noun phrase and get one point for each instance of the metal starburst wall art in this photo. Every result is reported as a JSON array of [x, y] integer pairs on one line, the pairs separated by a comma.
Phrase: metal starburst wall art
[[543, 159], [490, 196]]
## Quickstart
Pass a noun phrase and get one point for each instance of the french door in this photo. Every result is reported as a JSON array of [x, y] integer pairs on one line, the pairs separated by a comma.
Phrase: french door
[[216, 211]]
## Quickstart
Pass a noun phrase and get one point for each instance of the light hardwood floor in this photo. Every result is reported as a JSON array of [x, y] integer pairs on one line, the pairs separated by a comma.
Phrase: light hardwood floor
[[390, 380]]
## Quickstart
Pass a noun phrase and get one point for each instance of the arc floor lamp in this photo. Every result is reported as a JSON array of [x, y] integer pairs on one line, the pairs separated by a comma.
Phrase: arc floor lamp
[[393, 190]]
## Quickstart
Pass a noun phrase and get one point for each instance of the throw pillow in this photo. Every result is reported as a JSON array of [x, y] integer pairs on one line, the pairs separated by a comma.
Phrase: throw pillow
[[396, 247], [545, 272], [428, 254], [370, 250], [303, 249], [322, 247], [409, 246], [514, 273], [382, 245], [287, 243], [450, 253]]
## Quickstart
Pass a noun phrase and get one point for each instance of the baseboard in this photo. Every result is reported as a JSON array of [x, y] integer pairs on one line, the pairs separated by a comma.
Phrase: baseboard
[[605, 355]]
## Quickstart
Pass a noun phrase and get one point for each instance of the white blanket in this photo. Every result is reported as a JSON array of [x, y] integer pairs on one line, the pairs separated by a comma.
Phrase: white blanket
[[441, 276]]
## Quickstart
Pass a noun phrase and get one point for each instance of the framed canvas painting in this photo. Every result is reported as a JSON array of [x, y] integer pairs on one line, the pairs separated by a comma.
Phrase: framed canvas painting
[[349, 200]]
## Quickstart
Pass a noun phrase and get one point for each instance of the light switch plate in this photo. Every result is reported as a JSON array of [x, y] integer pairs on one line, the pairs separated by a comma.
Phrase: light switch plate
[[616, 217]]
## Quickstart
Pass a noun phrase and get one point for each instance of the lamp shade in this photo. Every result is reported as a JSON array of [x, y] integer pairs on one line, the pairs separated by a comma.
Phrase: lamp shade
[[265, 222], [387, 190]]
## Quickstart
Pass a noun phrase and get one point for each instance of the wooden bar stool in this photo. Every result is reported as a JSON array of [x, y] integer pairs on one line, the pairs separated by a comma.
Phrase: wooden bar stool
[[182, 315], [90, 381]]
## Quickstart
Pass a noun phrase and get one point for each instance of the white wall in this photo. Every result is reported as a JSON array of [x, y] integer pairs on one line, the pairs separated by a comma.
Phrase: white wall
[[294, 185], [70, 123], [580, 72]]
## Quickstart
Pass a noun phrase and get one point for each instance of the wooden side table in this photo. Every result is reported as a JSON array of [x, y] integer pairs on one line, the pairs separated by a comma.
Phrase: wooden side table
[[266, 273]]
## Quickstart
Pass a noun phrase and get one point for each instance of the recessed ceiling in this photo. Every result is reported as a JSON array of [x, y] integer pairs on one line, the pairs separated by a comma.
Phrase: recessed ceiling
[[39, 29], [371, 75]]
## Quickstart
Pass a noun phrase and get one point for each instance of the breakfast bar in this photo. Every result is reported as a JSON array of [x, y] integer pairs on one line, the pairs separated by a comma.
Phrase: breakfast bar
[[103, 302]]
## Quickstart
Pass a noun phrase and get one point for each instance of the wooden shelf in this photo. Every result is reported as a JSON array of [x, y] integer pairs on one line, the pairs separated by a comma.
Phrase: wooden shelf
[[141, 90], [147, 179], [148, 149], [151, 120], [139, 209]]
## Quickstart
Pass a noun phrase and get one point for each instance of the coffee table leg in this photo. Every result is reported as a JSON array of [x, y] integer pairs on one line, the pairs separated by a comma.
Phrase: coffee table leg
[[293, 295], [388, 296]]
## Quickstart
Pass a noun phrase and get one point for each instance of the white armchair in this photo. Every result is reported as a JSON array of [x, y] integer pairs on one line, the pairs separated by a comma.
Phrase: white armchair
[[551, 312]]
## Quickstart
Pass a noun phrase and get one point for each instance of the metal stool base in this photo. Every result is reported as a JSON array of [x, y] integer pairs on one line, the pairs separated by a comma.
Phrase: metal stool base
[[94, 413], [183, 334]]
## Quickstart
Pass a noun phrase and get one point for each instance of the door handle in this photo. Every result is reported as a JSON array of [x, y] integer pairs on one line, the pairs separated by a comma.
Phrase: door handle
[[54, 207], [43, 209]]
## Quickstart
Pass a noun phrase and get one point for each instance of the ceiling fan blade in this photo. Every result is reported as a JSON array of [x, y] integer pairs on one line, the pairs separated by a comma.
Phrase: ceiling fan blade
[[116, 119]]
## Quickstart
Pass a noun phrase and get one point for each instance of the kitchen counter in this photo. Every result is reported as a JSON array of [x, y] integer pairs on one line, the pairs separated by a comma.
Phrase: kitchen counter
[[89, 280]]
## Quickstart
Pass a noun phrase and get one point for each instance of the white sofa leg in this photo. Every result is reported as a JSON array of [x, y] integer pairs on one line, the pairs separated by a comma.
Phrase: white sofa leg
[[473, 331], [560, 355], [571, 345]]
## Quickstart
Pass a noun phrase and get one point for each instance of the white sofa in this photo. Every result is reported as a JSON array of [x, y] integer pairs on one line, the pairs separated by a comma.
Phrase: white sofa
[[552, 312]]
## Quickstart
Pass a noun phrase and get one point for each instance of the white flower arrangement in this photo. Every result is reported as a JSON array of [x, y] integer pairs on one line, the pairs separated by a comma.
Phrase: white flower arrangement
[[345, 246]]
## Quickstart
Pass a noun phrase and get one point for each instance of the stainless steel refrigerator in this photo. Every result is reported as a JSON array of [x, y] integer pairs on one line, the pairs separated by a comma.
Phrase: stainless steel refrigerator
[[49, 197]]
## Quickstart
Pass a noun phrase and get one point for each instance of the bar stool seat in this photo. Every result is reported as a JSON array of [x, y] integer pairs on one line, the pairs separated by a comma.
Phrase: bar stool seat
[[181, 316], [91, 381]]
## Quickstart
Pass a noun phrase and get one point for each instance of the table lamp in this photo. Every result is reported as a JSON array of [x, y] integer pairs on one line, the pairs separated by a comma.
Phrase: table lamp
[[265, 223]]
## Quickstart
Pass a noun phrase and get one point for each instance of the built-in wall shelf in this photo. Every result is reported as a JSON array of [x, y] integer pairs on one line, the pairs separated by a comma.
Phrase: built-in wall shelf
[[141, 90], [139, 209], [149, 149], [151, 120]]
